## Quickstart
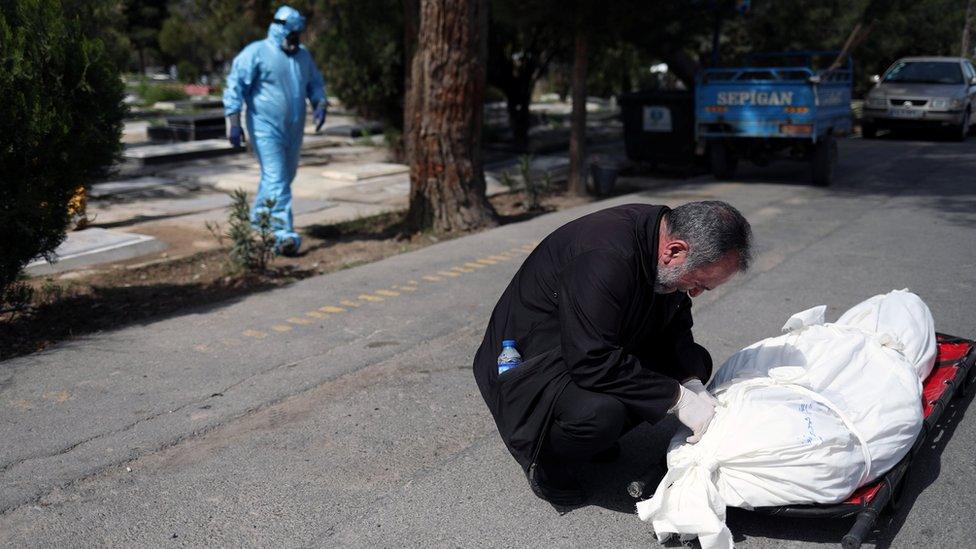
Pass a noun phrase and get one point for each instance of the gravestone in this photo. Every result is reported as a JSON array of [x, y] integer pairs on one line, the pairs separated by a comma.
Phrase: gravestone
[[171, 152], [355, 130], [190, 127], [360, 171], [94, 246]]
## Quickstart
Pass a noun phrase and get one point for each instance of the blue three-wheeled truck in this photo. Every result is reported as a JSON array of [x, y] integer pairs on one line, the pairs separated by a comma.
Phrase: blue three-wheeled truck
[[778, 104]]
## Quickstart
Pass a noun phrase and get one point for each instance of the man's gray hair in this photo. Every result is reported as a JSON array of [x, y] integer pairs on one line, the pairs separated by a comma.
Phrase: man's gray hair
[[712, 229]]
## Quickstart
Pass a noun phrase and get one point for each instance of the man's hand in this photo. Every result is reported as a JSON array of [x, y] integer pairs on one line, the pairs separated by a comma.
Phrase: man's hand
[[234, 132], [695, 386], [695, 411], [319, 116]]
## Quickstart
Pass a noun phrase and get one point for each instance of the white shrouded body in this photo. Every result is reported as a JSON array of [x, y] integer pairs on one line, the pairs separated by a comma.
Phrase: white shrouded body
[[806, 417]]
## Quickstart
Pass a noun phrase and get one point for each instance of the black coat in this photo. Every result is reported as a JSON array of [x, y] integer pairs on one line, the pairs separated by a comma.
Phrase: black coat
[[582, 309]]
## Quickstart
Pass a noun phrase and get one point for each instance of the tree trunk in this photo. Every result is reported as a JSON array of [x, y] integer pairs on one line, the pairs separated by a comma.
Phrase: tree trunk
[[683, 66], [444, 112], [518, 98], [577, 132], [411, 116], [965, 46]]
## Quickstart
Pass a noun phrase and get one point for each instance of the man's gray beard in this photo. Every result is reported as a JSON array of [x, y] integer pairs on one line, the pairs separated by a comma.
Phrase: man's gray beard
[[667, 278]]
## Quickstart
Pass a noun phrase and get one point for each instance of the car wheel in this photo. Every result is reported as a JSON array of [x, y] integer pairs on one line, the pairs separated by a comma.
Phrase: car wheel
[[960, 132], [723, 161], [823, 160], [869, 130]]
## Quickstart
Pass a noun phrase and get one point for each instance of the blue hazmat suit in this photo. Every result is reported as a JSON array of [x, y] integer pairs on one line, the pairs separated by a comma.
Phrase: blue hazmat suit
[[274, 85]]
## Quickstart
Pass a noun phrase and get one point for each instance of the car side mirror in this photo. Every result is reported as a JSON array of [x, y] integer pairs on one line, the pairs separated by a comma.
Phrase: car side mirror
[[814, 79], [875, 78], [972, 81]]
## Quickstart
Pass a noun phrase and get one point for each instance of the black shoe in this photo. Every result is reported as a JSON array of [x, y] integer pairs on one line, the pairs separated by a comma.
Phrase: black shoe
[[607, 456], [556, 484]]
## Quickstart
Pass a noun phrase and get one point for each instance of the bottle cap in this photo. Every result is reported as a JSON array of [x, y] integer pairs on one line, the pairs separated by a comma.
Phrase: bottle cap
[[508, 343]]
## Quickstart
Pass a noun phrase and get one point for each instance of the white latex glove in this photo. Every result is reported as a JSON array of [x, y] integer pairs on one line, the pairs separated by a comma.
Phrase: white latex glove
[[695, 386], [695, 411]]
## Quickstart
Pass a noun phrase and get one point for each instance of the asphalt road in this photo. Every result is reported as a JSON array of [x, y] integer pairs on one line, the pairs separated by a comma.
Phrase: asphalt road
[[341, 411]]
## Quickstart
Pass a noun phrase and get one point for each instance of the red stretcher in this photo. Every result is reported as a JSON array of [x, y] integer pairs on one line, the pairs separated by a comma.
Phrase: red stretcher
[[953, 374]]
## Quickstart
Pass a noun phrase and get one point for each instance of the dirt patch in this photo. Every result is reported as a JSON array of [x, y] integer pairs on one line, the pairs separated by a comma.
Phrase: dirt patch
[[131, 292]]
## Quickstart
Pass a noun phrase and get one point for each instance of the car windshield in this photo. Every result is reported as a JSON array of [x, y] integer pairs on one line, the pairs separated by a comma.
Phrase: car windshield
[[925, 72]]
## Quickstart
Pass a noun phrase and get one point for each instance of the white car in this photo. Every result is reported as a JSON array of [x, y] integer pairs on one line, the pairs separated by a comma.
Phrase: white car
[[922, 92]]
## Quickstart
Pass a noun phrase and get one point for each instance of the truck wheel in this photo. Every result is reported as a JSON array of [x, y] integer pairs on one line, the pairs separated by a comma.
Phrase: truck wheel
[[723, 161], [823, 160], [869, 130]]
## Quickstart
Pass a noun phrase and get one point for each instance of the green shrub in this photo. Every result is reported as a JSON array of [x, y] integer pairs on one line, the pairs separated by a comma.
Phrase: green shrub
[[534, 188], [252, 245], [152, 93], [60, 125]]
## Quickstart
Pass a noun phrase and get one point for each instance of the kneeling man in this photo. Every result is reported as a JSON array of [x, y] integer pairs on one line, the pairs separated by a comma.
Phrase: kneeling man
[[601, 315]]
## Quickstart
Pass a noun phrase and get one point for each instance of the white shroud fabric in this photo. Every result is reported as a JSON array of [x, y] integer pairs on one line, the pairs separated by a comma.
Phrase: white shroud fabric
[[806, 417]]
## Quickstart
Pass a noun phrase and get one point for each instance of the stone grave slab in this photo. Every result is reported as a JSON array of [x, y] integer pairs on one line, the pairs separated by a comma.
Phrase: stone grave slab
[[144, 210], [95, 246], [360, 171], [393, 190], [128, 187], [172, 152], [354, 130]]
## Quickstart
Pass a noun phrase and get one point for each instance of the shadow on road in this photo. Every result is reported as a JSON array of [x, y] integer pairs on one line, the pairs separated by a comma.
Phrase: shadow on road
[[105, 308], [940, 173], [925, 469]]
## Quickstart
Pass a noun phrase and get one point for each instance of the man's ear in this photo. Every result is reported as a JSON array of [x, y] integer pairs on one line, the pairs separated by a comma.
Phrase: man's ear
[[675, 251]]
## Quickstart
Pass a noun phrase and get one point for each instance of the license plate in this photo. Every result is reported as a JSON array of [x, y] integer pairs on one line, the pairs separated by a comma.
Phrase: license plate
[[906, 113]]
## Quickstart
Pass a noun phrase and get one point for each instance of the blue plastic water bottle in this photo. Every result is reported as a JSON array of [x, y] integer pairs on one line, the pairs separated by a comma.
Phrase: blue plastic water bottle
[[510, 358]]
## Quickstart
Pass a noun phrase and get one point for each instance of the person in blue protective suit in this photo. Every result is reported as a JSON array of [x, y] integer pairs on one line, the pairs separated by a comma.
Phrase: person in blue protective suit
[[273, 77]]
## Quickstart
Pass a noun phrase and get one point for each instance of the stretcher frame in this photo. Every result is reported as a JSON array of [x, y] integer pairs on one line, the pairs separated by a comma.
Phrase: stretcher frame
[[952, 375]]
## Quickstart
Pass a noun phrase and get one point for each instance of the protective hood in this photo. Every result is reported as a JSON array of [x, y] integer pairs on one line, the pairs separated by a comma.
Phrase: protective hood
[[286, 21]]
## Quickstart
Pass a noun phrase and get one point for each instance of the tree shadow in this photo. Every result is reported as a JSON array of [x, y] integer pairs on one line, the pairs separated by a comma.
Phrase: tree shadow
[[378, 227], [112, 307]]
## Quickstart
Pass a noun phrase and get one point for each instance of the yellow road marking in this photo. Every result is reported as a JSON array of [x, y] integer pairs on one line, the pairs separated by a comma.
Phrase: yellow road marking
[[474, 265], [405, 288], [448, 273], [462, 270], [315, 314], [370, 297], [431, 278], [300, 321], [255, 334], [281, 328], [486, 261], [388, 293], [58, 396], [345, 302], [413, 282], [500, 257], [334, 309]]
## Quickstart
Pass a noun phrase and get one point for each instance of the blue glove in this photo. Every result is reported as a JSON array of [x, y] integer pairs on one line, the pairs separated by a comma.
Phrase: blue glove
[[236, 135], [319, 117], [234, 132]]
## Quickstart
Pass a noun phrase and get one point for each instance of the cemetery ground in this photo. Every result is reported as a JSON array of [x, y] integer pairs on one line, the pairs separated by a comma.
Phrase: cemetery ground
[[350, 196], [340, 410], [122, 293]]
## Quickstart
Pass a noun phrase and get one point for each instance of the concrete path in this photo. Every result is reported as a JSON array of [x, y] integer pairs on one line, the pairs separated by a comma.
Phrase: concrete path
[[341, 411]]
